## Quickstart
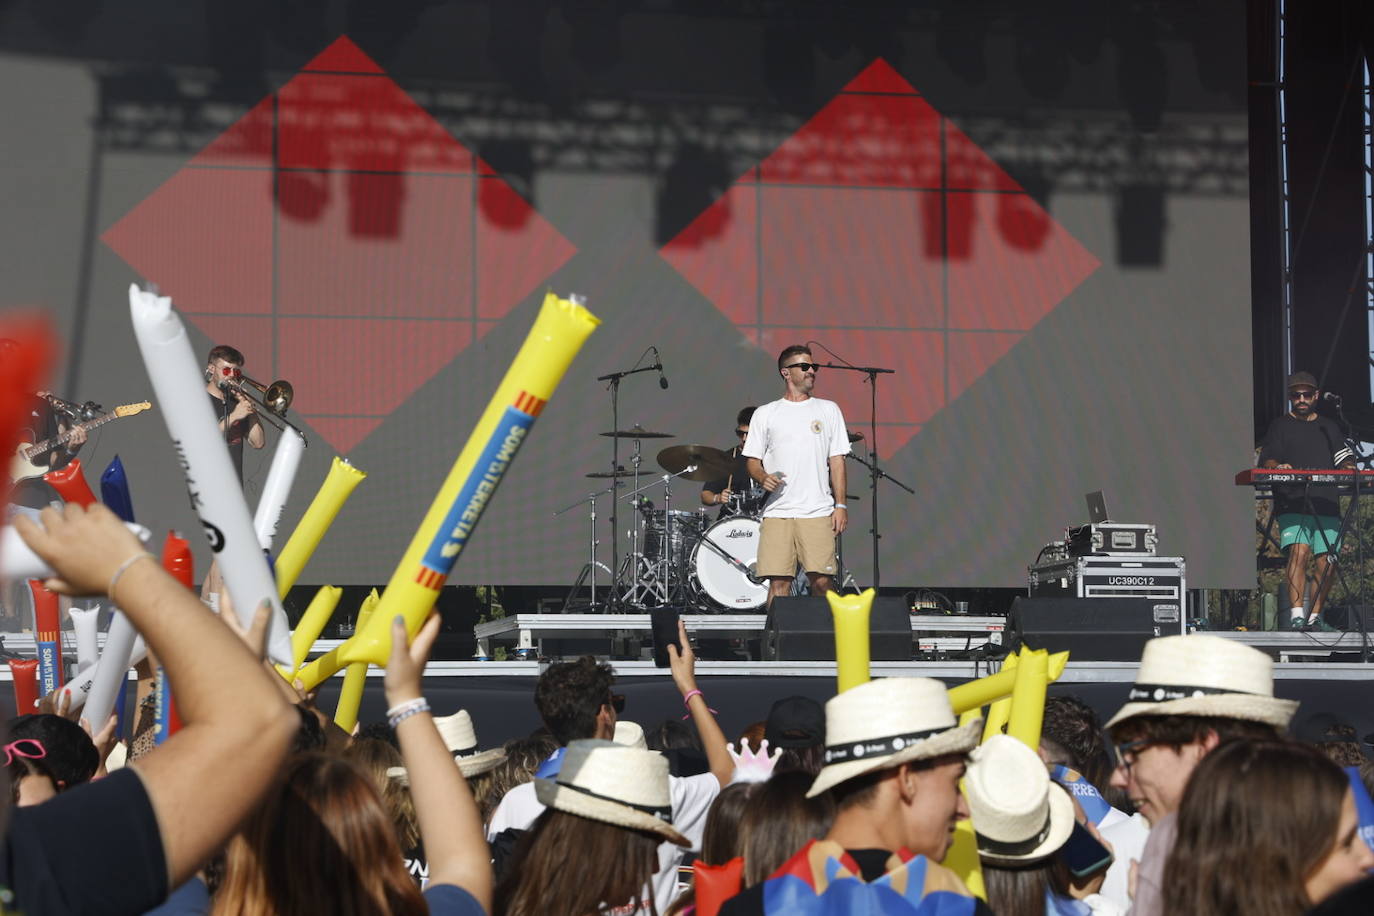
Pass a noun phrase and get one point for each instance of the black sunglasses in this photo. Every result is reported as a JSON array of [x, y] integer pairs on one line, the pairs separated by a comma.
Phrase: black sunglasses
[[1304, 395], [742, 433], [804, 366]]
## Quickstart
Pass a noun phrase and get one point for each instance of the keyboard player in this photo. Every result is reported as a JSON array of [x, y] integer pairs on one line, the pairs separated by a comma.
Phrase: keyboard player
[[1308, 516]]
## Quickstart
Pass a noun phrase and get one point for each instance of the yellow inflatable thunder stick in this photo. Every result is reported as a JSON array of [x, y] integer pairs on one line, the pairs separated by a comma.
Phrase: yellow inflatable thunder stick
[[355, 678], [962, 857], [311, 624], [558, 333], [333, 493], [852, 637], [1000, 709], [1028, 698], [984, 690]]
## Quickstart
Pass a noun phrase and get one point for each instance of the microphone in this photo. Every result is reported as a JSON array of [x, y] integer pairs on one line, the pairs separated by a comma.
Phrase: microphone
[[1331, 396], [658, 364]]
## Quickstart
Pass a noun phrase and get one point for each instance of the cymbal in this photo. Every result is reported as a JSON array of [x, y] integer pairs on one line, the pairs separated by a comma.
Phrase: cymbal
[[606, 475], [711, 463], [636, 432], [856, 437]]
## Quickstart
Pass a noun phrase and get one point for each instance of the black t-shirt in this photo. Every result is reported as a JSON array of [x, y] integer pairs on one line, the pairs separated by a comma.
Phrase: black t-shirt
[[740, 482], [873, 864], [234, 433], [1316, 444], [117, 864]]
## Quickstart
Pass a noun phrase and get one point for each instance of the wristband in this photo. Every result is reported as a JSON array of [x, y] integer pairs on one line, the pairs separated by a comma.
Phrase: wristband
[[841, 506], [688, 699], [404, 705], [123, 567], [402, 711]]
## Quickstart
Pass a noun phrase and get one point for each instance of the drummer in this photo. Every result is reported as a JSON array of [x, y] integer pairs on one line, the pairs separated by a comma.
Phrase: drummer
[[736, 494]]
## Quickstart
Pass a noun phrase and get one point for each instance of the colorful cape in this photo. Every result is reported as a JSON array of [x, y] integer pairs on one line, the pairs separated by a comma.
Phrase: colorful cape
[[823, 880]]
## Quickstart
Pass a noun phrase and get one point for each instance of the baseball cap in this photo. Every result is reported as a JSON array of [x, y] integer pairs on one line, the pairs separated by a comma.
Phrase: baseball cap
[[795, 722], [1298, 379]]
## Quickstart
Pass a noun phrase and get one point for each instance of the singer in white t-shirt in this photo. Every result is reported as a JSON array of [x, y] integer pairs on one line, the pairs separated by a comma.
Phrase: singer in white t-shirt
[[795, 450]]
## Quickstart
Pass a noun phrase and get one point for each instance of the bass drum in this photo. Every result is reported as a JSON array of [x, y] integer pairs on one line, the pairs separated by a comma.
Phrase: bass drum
[[717, 579]]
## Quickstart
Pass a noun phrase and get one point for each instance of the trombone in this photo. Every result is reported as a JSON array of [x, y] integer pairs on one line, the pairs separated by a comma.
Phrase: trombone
[[271, 400]]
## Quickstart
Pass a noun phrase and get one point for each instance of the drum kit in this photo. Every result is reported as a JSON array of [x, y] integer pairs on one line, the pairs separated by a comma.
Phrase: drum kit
[[677, 556]]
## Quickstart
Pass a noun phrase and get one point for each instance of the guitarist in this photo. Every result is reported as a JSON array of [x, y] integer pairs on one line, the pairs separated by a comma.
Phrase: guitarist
[[238, 420], [46, 424]]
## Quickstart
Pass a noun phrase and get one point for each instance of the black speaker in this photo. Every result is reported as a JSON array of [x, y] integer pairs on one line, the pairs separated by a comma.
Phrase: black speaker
[[802, 629], [1092, 629]]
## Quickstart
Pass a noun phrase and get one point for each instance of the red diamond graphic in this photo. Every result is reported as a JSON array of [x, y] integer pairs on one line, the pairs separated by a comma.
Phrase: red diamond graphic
[[390, 247], [882, 231]]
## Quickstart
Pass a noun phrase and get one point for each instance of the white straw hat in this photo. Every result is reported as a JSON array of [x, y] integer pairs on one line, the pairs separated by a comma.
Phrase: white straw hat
[[1019, 814], [1199, 675], [461, 740], [630, 734], [887, 722], [614, 784]]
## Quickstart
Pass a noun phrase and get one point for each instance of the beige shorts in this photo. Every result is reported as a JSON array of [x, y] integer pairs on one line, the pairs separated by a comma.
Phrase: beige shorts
[[786, 542]]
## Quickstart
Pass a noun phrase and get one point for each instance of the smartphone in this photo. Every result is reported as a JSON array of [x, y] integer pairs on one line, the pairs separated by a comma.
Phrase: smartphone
[[664, 622], [1083, 853]]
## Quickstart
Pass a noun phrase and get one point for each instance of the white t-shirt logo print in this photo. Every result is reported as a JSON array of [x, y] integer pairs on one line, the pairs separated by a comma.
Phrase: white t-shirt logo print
[[816, 427]]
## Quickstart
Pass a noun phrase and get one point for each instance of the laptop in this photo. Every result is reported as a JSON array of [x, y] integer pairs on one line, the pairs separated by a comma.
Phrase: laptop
[[1097, 507]]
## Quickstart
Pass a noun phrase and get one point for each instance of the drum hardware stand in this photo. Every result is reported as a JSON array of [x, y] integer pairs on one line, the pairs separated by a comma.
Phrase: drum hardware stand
[[658, 582], [874, 471], [590, 567], [613, 378]]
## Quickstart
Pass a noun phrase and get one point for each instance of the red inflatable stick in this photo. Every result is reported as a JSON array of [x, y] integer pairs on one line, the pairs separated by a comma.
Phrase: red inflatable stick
[[25, 674], [70, 483], [177, 559], [47, 633], [27, 348]]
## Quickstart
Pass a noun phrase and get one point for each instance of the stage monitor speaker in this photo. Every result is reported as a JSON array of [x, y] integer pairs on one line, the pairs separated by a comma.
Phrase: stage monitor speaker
[[802, 629], [1091, 629]]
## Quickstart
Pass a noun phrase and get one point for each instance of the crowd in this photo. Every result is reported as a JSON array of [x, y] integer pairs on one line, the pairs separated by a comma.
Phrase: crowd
[[1191, 799]]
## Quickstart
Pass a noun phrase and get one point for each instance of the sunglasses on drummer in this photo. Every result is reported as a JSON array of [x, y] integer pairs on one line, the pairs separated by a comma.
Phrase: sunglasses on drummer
[[804, 366], [742, 433]]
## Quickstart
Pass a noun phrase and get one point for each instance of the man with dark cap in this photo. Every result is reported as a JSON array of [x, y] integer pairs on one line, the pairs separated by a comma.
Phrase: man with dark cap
[[1308, 516]]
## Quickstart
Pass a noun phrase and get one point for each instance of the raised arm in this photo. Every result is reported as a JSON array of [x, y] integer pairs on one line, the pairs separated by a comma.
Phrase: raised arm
[[683, 663], [450, 824], [236, 727]]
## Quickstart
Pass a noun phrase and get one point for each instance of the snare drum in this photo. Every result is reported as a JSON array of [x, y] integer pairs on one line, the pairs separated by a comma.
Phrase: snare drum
[[716, 578]]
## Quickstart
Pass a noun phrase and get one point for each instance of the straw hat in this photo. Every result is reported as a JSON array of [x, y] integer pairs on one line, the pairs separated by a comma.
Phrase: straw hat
[[888, 722], [630, 734], [619, 785], [1199, 675], [1019, 814], [461, 740]]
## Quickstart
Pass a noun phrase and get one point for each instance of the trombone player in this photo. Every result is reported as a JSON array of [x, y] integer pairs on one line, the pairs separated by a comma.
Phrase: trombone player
[[238, 418]]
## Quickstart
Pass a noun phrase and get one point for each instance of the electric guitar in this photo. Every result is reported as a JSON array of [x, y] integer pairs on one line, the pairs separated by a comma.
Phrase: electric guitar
[[22, 468]]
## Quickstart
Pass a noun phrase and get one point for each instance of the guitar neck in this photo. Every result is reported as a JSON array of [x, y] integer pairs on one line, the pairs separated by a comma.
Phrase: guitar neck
[[39, 448]]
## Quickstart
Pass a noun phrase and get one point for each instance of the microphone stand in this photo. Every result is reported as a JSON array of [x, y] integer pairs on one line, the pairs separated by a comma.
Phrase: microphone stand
[[874, 471], [1354, 511], [613, 603]]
